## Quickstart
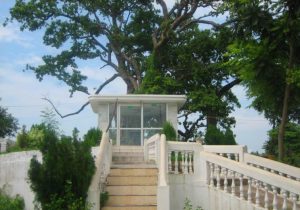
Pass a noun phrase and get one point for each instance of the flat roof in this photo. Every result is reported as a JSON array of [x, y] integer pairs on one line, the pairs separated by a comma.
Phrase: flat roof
[[136, 98]]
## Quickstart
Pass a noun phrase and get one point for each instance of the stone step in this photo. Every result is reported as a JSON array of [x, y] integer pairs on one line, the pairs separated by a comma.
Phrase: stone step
[[133, 165], [128, 153], [131, 190], [129, 208], [129, 180], [128, 159], [133, 172], [131, 200]]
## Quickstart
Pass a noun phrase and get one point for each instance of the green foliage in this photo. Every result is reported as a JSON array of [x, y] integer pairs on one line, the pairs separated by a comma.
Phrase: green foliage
[[60, 174], [291, 146], [103, 198], [67, 202], [192, 64], [189, 206], [49, 119], [8, 203], [214, 136], [169, 131], [93, 137], [8, 124]]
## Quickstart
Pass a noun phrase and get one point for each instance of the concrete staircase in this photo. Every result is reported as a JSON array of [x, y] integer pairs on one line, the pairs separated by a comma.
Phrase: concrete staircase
[[131, 184]]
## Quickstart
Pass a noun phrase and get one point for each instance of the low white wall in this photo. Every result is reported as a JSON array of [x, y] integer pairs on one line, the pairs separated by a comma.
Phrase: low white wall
[[13, 174]]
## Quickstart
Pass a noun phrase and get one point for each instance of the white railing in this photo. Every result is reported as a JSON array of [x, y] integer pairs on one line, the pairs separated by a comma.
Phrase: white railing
[[181, 157], [103, 162], [251, 184], [233, 152], [273, 166], [151, 149]]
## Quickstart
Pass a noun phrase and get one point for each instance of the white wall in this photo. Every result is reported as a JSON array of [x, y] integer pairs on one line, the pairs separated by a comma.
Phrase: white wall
[[13, 174]]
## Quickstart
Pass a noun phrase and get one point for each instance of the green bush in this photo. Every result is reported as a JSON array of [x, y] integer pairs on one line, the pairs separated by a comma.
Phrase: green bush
[[63, 178], [169, 131], [215, 136], [103, 198], [8, 203], [93, 137], [189, 206]]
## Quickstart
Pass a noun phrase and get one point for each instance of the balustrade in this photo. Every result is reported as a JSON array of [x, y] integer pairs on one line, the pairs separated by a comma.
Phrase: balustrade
[[268, 192]]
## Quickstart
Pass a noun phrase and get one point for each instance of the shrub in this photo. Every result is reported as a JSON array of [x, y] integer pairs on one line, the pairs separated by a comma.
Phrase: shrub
[[63, 178], [93, 137], [189, 206], [169, 131], [215, 136], [8, 203]]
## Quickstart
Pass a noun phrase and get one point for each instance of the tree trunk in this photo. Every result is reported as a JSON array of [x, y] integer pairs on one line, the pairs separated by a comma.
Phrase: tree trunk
[[283, 122], [211, 120]]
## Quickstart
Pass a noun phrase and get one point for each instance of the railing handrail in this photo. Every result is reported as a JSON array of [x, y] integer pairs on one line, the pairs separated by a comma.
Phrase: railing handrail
[[181, 146], [103, 157], [272, 165], [152, 139], [155, 141], [255, 173]]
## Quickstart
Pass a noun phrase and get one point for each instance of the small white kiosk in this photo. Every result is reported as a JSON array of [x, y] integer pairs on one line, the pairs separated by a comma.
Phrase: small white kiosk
[[135, 117]]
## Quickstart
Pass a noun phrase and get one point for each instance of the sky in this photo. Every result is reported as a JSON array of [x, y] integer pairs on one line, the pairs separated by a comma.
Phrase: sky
[[21, 92]]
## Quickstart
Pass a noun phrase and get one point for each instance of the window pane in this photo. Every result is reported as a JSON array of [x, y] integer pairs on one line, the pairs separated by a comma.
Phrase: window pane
[[130, 116], [112, 116], [154, 115], [113, 136], [148, 133], [130, 137]]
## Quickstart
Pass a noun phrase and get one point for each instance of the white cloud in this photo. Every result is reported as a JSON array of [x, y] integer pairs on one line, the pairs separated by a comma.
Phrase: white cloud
[[31, 60], [12, 34]]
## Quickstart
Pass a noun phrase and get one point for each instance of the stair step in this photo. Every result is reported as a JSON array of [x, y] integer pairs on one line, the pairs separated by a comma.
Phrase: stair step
[[129, 180], [131, 190], [129, 208], [131, 200], [133, 172], [128, 159], [132, 166]]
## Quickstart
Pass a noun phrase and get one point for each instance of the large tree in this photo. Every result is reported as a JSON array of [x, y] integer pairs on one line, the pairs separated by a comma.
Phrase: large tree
[[8, 124], [120, 34], [267, 57], [192, 64]]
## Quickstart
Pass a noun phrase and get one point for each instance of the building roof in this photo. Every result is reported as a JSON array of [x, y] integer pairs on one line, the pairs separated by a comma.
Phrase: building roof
[[136, 98]]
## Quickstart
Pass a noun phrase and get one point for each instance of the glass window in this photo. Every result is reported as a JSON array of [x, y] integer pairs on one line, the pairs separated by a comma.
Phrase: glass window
[[130, 137], [130, 116], [154, 115], [113, 115]]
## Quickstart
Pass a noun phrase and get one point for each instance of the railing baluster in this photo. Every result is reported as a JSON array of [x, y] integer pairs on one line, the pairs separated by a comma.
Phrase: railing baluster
[[257, 194], [236, 157], [211, 182], [241, 187], [284, 204], [170, 161], [190, 162], [218, 176], [176, 162], [225, 181], [266, 196], [185, 164], [294, 201], [275, 202], [249, 190], [229, 156], [233, 183]]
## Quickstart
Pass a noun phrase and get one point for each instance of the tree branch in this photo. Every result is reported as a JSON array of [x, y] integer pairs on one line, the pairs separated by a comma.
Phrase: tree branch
[[228, 87], [86, 103], [67, 115]]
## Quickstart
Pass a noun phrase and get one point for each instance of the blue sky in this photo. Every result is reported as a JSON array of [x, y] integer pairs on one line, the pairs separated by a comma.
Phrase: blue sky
[[21, 92]]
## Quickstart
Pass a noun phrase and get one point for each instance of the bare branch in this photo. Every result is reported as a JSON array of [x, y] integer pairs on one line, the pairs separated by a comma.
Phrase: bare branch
[[67, 115], [163, 5], [228, 86], [86, 103], [106, 83]]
